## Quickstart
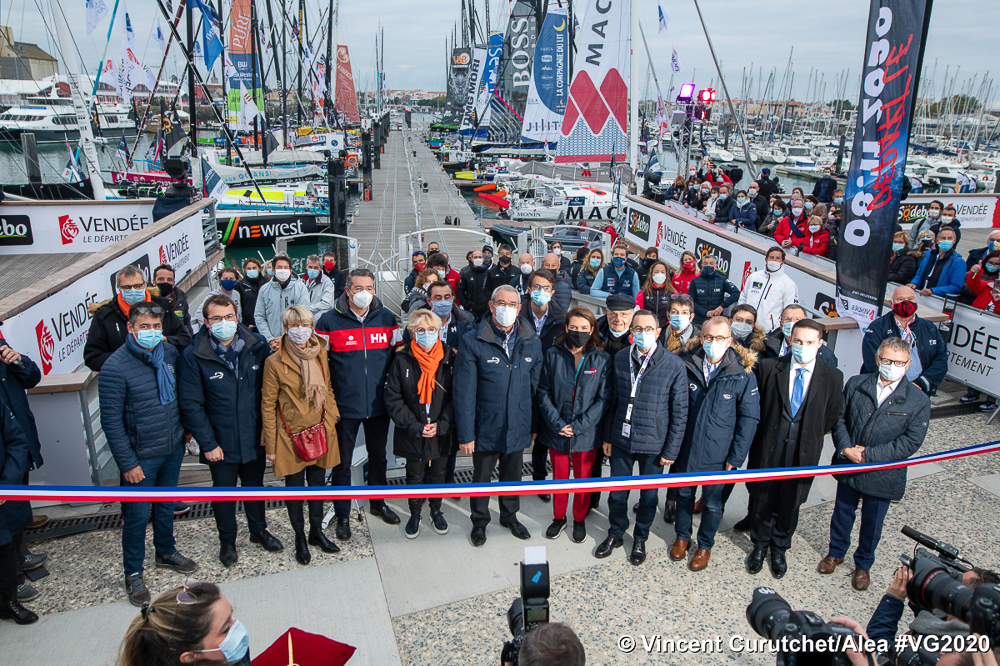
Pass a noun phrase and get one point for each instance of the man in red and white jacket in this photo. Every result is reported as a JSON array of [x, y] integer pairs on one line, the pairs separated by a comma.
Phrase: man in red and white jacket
[[360, 334]]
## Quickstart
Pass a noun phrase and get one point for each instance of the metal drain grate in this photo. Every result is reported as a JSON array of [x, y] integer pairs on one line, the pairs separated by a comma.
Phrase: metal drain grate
[[947, 411]]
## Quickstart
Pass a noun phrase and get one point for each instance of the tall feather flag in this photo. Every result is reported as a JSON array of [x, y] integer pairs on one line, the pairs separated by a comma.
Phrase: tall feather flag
[[96, 9], [72, 172], [675, 63], [209, 33], [664, 18], [157, 35]]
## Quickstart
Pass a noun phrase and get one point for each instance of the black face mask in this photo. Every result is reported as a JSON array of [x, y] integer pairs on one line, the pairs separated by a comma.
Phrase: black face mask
[[577, 339], [165, 288], [504, 260]]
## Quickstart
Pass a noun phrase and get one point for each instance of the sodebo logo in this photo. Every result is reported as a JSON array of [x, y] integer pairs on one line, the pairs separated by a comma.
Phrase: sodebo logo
[[15, 230]]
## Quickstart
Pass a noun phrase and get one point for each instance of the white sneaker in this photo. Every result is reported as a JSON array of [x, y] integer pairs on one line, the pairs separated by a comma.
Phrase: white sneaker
[[193, 448]]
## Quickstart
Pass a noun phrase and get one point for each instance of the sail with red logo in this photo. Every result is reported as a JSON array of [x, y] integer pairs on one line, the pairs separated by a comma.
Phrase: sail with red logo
[[596, 119]]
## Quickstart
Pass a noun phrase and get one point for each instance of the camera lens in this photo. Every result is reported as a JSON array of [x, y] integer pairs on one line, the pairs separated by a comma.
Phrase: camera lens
[[766, 611]]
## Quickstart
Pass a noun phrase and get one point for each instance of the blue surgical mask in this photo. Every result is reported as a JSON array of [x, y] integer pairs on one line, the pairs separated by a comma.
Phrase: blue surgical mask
[[786, 329], [227, 284], [741, 201], [617, 334], [133, 296], [896, 247], [644, 340], [714, 349], [441, 308], [679, 322], [253, 275], [312, 273], [149, 339], [236, 644], [808, 205], [777, 211], [723, 197], [992, 268], [945, 245], [595, 263], [224, 330], [270, 272], [541, 297], [426, 339], [618, 262], [741, 329], [838, 200], [804, 354]]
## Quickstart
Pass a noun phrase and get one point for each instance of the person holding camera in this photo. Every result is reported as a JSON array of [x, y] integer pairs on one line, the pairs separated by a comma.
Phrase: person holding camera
[[884, 419], [551, 644]]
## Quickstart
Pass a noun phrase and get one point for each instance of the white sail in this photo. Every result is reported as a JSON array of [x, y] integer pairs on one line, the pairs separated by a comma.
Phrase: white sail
[[547, 91]]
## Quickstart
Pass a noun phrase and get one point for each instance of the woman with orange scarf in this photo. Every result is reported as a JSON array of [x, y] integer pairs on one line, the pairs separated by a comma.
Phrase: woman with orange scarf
[[419, 401]]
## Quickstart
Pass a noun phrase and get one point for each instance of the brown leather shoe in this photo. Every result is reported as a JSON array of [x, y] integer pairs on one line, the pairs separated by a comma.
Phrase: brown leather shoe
[[679, 550], [828, 564], [700, 559], [860, 580], [699, 506], [37, 522]]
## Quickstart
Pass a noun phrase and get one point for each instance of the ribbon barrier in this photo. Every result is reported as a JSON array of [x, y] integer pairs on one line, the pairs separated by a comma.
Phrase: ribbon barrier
[[194, 494]]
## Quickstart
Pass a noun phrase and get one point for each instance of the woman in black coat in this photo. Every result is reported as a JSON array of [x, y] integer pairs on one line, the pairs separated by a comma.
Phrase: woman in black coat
[[253, 280], [422, 411], [573, 394], [903, 265]]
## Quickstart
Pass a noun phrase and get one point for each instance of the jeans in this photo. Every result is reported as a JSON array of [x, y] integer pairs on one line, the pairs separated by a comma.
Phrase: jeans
[[251, 474], [582, 461], [873, 510], [316, 476], [596, 471], [376, 434], [711, 515], [622, 463], [162, 472], [482, 472], [419, 472]]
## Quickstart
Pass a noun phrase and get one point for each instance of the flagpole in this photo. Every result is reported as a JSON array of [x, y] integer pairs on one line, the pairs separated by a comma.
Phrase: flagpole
[[192, 105], [225, 95], [159, 72]]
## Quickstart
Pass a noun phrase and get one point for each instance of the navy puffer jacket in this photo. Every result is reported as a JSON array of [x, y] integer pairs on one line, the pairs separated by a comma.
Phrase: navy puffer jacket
[[722, 415], [15, 379], [14, 515], [136, 424], [569, 398], [709, 293], [660, 411], [891, 431], [221, 407]]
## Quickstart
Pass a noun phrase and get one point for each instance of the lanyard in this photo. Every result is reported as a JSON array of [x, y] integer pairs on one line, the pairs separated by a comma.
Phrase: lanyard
[[627, 425]]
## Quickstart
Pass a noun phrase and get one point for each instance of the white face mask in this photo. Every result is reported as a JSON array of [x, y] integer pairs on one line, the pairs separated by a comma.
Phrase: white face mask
[[477, 262], [557, 251], [506, 316], [526, 269], [362, 299], [774, 266], [300, 334], [796, 211], [813, 228], [890, 372], [282, 274], [659, 278]]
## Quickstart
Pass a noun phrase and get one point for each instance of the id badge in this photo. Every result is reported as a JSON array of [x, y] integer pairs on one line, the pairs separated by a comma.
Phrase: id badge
[[628, 412], [626, 429]]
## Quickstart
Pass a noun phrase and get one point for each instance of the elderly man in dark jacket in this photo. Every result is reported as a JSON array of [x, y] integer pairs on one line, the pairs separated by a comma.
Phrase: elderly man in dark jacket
[[645, 425], [885, 418], [711, 291], [142, 422], [14, 515], [723, 411], [496, 378], [220, 381]]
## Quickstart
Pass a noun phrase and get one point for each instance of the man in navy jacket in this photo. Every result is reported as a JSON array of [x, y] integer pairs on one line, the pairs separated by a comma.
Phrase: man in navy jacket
[[220, 381], [496, 378], [711, 291]]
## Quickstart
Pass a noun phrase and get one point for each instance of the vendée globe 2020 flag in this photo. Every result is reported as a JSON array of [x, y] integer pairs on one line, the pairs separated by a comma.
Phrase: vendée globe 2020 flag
[[894, 50]]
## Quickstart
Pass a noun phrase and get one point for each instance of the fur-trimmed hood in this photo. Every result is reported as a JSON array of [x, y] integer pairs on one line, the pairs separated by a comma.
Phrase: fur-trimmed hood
[[748, 357], [754, 341], [94, 307]]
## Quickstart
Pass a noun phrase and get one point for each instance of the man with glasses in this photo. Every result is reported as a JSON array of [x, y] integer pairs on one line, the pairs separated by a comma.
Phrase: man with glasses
[[884, 419], [644, 425], [141, 419], [496, 377], [109, 327], [221, 377], [563, 293]]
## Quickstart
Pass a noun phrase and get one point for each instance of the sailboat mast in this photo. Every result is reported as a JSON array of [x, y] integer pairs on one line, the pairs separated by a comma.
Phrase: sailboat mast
[[302, 29], [633, 159], [192, 104], [225, 96], [278, 73], [331, 34]]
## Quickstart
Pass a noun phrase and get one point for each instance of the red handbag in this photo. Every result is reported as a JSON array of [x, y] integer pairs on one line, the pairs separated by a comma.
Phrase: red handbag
[[310, 443]]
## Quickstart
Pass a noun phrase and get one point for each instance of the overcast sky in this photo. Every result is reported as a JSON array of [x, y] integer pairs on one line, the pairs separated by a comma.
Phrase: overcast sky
[[827, 36]]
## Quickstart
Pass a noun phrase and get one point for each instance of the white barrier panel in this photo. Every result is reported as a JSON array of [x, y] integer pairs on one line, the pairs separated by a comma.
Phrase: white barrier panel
[[53, 331], [70, 227], [974, 211], [974, 349]]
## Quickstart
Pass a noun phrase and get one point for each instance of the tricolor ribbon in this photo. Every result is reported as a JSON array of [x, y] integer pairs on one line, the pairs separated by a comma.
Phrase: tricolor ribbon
[[199, 493]]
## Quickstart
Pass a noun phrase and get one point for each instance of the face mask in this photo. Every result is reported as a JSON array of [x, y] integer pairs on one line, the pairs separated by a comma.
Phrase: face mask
[[708, 271], [644, 340], [300, 334], [659, 278], [617, 334], [283, 274], [426, 339], [557, 251], [831, 215], [224, 329], [777, 211], [487, 259], [838, 200], [133, 296], [477, 262], [165, 288], [526, 269], [253, 275], [926, 242], [774, 266], [236, 644], [890, 372], [804, 354], [541, 298], [933, 214], [362, 299], [441, 308], [618, 262], [595, 263], [741, 329], [945, 245], [506, 316], [741, 201], [714, 349], [440, 273], [992, 245], [689, 265], [796, 211], [896, 247], [149, 339], [328, 265], [723, 197], [714, 197], [504, 260], [420, 268], [312, 273], [577, 339], [813, 228], [705, 193], [228, 284], [808, 205], [992, 268], [270, 273], [752, 193], [786, 329], [679, 322], [947, 220], [826, 174], [904, 309]]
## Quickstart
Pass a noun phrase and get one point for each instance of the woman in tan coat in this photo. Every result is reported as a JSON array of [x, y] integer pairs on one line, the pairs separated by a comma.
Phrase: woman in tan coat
[[297, 396]]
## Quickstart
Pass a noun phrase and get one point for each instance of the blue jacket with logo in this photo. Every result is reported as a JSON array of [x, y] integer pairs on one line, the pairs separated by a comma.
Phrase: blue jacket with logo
[[709, 293], [951, 279], [359, 353], [495, 396], [221, 407], [608, 281], [573, 396], [931, 348], [745, 216]]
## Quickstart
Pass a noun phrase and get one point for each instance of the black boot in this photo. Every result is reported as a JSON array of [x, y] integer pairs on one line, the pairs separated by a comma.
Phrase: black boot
[[13, 610], [318, 538], [302, 548]]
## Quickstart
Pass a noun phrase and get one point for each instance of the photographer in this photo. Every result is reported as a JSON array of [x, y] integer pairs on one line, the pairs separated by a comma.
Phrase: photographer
[[551, 644]]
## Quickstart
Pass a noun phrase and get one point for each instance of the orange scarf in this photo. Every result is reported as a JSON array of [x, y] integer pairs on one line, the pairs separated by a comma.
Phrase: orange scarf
[[428, 361], [125, 306]]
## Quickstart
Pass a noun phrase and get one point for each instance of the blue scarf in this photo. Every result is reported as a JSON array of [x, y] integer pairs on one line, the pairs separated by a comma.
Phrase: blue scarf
[[165, 381]]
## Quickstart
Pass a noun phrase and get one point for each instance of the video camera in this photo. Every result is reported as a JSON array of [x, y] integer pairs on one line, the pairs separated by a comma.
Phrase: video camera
[[773, 618], [532, 607]]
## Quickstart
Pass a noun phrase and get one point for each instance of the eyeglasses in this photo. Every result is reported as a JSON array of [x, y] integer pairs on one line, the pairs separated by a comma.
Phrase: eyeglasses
[[141, 285], [789, 320], [714, 338], [898, 364], [426, 330], [648, 329], [501, 304], [153, 311], [216, 320], [539, 287], [185, 597]]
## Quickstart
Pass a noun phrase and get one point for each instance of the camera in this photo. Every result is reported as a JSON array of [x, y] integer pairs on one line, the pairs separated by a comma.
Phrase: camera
[[773, 618], [532, 607]]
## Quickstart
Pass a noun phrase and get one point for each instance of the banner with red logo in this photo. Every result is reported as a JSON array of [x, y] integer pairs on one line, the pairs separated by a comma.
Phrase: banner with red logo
[[70, 227], [53, 331], [974, 211], [347, 100]]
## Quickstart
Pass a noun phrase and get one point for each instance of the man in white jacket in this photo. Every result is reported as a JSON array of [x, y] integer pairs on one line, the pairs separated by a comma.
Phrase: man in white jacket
[[770, 290], [276, 295]]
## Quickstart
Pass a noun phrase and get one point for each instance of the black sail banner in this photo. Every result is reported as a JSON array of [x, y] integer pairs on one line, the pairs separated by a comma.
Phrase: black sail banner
[[458, 80], [894, 49]]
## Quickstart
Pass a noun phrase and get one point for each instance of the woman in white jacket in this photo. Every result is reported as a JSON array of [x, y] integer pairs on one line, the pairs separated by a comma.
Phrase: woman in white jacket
[[770, 290]]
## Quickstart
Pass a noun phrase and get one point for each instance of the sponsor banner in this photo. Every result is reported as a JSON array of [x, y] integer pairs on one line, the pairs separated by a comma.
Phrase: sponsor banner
[[347, 101], [196, 493], [894, 48], [973, 339], [458, 80], [546, 103], [257, 230], [53, 331], [518, 49], [471, 91], [974, 211], [638, 225], [73, 228]]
